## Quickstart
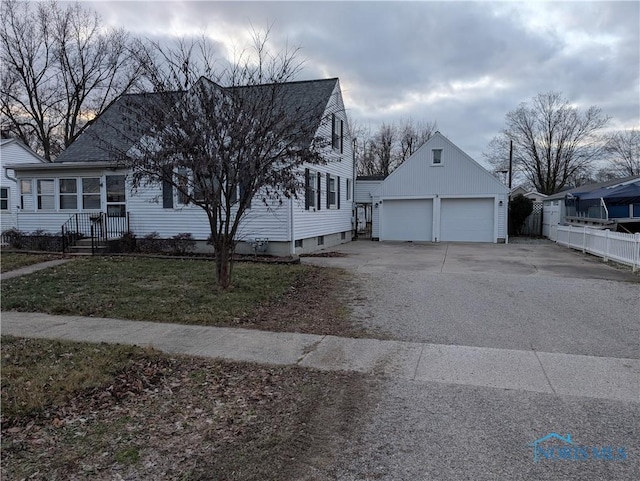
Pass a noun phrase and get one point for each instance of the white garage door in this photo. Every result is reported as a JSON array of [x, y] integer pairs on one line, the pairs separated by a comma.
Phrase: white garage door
[[466, 220], [407, 220]]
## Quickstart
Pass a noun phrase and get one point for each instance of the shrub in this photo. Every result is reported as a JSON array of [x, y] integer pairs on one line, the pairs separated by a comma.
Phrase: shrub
[[128, 242], [519, 209], [182, 243], [151, 243], [14, 237]]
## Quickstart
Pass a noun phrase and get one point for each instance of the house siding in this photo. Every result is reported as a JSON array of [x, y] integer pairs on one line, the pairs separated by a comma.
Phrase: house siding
[[458, 174], [12, 153], [147, 215], [321, 222], [364, 189]]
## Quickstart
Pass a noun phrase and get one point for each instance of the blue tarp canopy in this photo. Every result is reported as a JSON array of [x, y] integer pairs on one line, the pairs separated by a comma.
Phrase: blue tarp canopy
[[623, 194]]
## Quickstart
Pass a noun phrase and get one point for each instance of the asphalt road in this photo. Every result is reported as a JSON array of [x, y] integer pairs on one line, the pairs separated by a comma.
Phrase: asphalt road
[[538, 297]]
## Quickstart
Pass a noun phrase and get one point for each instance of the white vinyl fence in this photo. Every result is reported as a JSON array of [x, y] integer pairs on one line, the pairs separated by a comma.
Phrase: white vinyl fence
[[623, 248]]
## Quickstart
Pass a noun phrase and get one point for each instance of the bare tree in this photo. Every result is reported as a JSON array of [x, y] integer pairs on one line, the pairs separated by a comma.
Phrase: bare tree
[[219, 144], [60, 69], [382, 147], [623, 151], [553, 142], [381, 152], [412, 136]]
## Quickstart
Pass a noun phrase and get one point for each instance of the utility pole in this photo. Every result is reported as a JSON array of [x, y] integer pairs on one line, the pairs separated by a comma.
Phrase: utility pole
[[510, 164]]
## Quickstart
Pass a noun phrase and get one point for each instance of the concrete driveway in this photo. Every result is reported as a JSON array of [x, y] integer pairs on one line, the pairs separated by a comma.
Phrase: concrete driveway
[[500, 299], [540, 296]]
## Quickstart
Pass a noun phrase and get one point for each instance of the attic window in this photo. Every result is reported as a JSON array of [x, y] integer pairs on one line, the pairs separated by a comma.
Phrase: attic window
[[437, 156], [336, 133]]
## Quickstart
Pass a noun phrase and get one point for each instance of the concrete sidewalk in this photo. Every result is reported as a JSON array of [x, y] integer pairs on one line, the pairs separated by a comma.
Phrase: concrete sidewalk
[[563, 374], [23, 271]]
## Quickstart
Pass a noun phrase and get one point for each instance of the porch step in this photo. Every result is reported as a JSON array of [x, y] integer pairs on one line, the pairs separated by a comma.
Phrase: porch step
[[86, 249], [83, 246]]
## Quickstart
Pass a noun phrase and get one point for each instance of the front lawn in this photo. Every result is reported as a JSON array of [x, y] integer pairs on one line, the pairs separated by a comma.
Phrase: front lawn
[[10, 261], [96, 411], [276, 297], [181, 291]]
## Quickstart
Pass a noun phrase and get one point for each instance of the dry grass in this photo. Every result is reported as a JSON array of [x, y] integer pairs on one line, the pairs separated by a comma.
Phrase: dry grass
[[10, 261], [127, 413]]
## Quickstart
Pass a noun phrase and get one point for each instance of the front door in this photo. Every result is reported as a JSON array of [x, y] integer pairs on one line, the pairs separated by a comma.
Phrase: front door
[[116, 206]]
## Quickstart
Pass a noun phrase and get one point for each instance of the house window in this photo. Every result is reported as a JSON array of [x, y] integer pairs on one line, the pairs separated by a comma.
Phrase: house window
[[336, 132], [68, 194], [183, 186], [343, 235], [91, 194], [437, 156], [333, 192], [320, 240], [205, 187], [4, 198], [348, 189], [46, 194], [26, 194], [298, 243]]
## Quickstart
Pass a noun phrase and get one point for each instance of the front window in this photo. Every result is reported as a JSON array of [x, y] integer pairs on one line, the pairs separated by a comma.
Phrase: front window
[[332, 191], [26, 194], [183, 185], [4, 198], [68, 194], [46, 194], [91, 194]]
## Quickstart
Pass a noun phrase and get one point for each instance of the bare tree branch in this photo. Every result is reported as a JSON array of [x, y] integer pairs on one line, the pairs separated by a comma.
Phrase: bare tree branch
[[60, 70], [554, 143]]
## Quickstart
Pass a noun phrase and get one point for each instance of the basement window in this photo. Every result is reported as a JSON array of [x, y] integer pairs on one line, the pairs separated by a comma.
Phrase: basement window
[[320, 240], [298, 243]]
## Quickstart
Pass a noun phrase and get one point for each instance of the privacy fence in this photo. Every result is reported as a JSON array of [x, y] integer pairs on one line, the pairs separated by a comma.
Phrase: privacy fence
[[616, 246]]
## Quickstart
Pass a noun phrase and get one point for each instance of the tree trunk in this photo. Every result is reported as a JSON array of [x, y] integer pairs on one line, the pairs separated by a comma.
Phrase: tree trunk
[[224, 253]]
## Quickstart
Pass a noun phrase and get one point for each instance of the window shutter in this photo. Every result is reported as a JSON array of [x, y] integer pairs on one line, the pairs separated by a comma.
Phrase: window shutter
[[167, 191], [328, 189], [319, 199], [333, 130], [341, 139], [338, 192], [307, 189]]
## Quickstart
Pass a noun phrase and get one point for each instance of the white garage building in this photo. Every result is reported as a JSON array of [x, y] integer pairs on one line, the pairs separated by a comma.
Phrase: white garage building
[[440, 194]]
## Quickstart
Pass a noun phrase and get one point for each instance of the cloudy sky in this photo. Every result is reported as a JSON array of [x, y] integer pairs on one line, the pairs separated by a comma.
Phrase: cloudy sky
[[461, 64]]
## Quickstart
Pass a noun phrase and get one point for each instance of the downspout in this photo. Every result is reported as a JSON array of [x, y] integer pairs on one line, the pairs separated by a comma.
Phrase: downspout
[[292, 243], [354, 210]]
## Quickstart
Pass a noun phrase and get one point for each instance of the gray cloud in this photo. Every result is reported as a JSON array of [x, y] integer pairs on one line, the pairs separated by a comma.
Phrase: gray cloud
[[463, 64]]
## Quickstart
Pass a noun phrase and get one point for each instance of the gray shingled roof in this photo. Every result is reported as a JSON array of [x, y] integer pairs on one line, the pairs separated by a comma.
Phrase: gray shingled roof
[[119, 127]]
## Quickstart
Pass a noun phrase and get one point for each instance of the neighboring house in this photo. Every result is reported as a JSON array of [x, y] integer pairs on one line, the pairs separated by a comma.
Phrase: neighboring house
[[13, 152], [85, 181], [532, 194], [613, 205], [440, 194]]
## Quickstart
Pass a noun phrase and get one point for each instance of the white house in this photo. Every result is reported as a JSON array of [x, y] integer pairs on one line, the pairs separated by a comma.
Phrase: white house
[[83, 182], [440, 194], [13, 152]]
